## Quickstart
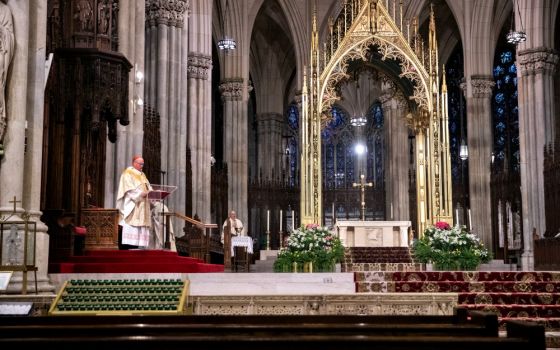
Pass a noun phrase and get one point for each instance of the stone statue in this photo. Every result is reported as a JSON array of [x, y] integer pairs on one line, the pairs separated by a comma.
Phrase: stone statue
[[84, 14], [6, 54], [103, 15]]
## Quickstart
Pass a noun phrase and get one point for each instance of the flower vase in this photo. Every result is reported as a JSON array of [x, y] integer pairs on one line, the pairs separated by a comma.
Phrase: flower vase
[[308, 266]]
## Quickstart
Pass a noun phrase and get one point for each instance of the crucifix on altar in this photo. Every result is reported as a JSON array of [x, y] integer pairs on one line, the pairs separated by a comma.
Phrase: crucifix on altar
[[363, 184]]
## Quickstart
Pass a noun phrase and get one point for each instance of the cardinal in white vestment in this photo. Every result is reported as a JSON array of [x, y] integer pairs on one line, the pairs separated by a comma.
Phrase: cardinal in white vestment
[[133, 204], [235, 226]]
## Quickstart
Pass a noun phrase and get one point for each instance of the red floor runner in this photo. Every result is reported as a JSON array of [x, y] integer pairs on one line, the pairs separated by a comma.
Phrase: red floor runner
[[131, 261]]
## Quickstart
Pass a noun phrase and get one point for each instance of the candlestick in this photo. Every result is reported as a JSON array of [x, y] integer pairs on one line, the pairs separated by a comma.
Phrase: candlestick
[[267, 220], [280, 220], [470, 220], [293, 221]]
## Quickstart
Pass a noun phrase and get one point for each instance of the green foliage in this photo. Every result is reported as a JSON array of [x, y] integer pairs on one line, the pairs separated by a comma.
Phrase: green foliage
[[450, 248], [310, 244]]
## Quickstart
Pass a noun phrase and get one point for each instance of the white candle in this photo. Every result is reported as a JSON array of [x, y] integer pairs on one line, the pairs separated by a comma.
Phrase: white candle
[[457, 216], [470, 220], [280, 220], [333, 213], [391, 211], [267, 220], [293, 221]]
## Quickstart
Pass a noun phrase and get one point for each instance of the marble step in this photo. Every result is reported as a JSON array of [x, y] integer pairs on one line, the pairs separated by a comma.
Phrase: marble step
[[270, 283]]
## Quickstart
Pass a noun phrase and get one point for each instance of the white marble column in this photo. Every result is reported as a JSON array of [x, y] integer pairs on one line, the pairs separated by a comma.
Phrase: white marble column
[[165, 28], [536, 125], [480, 143], [200, 131], [402, 186], [235, 144], [270, 152], [34, 132], [23, 140], [199, 94], [12, 164]]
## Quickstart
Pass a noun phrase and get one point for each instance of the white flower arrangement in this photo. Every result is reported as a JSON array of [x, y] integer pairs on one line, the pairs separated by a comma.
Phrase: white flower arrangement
[[450, 248], [310, 244]]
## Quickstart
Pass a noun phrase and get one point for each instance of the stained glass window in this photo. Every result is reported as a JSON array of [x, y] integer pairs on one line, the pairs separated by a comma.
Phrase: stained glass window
[[505, 111], [457, 112], [338, 141], [292, 152]]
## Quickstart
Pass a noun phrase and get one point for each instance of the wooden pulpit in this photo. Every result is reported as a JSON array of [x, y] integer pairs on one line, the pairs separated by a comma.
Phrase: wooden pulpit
[[102, 228]]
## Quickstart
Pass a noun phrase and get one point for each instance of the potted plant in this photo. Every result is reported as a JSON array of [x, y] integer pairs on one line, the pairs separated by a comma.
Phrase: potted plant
[[450, 248]]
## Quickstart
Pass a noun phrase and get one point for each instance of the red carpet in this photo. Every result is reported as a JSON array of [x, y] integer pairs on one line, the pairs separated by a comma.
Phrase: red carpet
[[131, 261], [513, 295]]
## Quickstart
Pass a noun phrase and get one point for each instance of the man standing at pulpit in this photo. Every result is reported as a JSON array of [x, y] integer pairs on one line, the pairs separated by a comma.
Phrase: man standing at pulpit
[[134, 206]]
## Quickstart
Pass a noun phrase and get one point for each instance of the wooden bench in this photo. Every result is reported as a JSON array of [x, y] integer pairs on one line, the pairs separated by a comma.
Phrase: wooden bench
[[474, 331]]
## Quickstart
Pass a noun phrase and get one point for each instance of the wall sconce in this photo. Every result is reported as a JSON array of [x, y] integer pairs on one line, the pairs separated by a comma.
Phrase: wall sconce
[[138, 76], [137, 101]]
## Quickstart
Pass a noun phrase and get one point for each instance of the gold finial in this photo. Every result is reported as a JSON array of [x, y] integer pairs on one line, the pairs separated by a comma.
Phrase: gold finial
[[443, 83]]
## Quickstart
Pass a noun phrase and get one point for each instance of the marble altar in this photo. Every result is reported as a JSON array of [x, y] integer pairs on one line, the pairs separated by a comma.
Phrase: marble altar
[[373, 233]]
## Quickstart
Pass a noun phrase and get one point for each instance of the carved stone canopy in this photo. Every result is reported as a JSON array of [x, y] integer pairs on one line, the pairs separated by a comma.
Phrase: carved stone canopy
[[96, 81]]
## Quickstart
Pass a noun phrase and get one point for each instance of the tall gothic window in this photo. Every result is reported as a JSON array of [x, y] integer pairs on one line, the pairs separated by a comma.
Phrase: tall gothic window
[[457, 117], [505, 108], [505, 178], [457, 130], [375, 145], [338, 149], [291, 152]]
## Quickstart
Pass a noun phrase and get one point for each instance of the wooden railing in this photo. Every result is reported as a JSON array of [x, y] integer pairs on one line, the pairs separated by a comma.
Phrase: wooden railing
[[199, 245]]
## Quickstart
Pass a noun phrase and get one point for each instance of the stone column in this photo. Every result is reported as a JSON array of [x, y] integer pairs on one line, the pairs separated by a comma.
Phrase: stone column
[[165, 20], [536, 130], [401, 186], [235, 144], [270, 153], [480, 143], [200, 131], [12, 165], [23, 140], [390, 167], [396, 170], [131, 23], [34, 132]]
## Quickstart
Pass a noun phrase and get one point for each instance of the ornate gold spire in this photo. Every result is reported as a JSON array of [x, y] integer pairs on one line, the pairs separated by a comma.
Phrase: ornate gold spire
[[368, 26]]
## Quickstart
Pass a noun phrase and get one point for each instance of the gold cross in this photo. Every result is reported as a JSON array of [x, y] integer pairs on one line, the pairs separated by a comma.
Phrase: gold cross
[[363, 184], [15, 202]]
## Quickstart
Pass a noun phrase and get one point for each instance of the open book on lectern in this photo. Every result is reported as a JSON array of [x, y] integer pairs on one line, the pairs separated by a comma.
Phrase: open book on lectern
[[160, 192]]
